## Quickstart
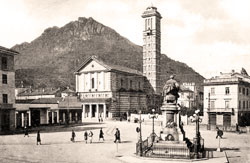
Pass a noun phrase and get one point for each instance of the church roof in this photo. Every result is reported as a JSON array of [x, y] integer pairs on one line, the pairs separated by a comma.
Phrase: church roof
[[109, 66]]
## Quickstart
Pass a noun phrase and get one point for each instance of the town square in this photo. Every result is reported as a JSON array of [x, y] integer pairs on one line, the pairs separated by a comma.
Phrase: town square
[[122, 81]]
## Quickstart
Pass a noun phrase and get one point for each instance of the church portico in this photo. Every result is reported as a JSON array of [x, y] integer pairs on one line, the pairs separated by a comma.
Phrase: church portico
[[94, 110]]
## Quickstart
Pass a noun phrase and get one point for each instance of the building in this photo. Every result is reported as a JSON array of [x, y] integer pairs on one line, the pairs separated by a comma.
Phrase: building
[[108, 91], [152, 48], [227, 100], [7, 89], [35, 107], [192, 92], [186, 98]]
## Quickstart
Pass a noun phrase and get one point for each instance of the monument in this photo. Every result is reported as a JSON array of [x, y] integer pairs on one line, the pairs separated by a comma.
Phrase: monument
[[171, 142]]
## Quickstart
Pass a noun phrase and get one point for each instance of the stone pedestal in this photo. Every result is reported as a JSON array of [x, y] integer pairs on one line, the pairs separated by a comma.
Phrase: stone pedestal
[[171, 143], [172, 130]]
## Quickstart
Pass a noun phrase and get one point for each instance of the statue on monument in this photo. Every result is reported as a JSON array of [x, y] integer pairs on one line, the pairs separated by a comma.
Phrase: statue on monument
[[170, 91]]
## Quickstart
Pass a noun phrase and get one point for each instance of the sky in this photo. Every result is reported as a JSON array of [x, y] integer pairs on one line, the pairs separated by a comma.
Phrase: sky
[[211, 36]]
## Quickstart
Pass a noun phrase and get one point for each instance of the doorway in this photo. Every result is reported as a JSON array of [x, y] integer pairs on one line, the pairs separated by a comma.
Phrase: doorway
[[35, 118]]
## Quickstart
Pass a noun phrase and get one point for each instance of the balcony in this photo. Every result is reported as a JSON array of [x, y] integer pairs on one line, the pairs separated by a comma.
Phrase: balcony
[[221, 110], [6, 106]]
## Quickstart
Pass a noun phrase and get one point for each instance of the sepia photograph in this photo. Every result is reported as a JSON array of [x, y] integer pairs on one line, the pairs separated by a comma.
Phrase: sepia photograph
[[124, 81]]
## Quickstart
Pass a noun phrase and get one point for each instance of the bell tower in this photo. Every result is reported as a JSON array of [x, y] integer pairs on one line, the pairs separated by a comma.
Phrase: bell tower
[[152, 47]]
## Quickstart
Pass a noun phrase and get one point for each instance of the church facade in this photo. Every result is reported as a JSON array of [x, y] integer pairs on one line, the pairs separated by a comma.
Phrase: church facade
[[109, 91]]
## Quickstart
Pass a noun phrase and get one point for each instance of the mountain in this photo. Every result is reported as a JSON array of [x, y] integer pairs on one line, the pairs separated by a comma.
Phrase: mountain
[[51, 59]]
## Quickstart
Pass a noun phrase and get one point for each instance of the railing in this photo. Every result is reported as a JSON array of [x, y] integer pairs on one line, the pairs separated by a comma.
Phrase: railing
[[229, 110]]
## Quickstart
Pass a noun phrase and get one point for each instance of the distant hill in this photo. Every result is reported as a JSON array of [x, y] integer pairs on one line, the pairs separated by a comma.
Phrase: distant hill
[[51, 59]]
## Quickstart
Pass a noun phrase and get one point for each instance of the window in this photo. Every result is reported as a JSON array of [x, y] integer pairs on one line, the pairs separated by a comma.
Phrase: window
[[93, 83], [4, 79], [227, 91], [212, 91], [5, 98], [131, 84], [212, 104], [247, 91], [239, 89], [4, 63], [243, 91], [239, 104], [243, 105], [227, 104]]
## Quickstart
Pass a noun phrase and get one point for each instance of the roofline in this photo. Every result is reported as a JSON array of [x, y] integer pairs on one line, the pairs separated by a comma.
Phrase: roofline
[[8, 51]]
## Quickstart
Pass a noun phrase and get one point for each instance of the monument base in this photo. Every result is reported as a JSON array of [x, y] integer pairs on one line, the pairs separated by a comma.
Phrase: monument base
[[170, 149]]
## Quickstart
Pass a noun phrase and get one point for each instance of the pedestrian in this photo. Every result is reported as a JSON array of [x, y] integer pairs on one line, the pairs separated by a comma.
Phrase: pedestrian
[[101, 135], [117, 136], [101, 119], [26, 131], [219, 132], [73, 136], [86, 136], [90, 136], [38, 138], [237, 128]]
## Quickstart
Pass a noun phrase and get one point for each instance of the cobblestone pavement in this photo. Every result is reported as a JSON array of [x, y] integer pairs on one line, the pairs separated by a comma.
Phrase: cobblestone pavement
[[57, 147]]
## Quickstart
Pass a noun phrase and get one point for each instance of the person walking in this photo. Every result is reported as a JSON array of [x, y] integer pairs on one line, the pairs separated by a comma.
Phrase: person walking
[[26, 131], [38, 138], [73, 136], [101, 135], [86, 136], [90, 136], [117, 136], [219, 132]]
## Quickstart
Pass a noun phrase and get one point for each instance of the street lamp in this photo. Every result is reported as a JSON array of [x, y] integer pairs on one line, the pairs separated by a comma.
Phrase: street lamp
[[197, 137], [140, 141], [153, 116]]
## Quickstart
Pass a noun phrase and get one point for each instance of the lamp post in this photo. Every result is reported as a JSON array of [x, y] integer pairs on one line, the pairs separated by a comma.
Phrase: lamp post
[[153, 116], [197, 135], [140, 141]]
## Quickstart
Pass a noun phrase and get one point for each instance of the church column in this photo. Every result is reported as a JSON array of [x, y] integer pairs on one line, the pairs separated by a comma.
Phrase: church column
[[22, 115], [29, 112], [90, 110], [70, 116], [52, 116], [83, 112]]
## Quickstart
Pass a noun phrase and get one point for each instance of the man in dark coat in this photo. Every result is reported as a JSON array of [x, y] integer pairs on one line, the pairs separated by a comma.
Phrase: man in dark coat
[[117, 136], [38, 138], [219, 132], [86, 137], [73, 136], [101, 135]]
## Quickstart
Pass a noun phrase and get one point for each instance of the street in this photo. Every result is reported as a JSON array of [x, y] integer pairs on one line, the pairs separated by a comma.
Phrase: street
[[57, 147]]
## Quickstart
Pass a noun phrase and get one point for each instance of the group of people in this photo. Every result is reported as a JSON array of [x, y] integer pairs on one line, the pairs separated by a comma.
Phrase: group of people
[[38, 137], [87, 136]]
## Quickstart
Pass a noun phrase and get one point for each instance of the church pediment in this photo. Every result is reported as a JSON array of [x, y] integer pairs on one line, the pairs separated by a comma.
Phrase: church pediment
[[92, 65]]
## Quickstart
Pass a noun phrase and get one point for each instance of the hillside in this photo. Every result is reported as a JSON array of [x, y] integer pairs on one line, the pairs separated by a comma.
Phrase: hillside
[[51, 59]]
